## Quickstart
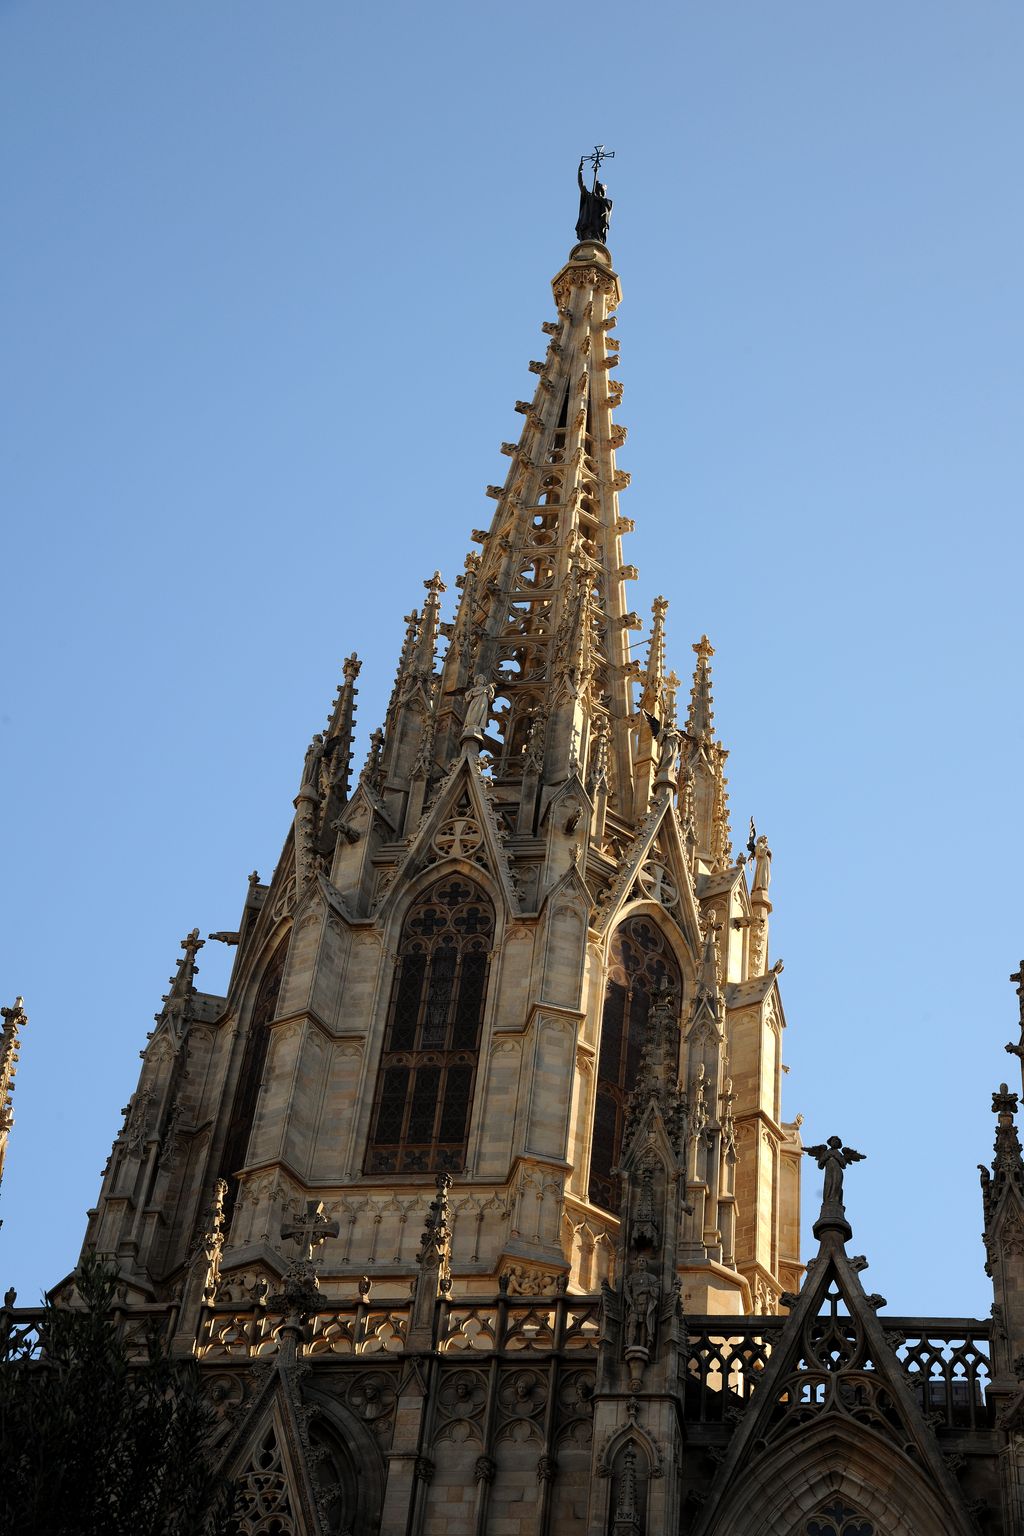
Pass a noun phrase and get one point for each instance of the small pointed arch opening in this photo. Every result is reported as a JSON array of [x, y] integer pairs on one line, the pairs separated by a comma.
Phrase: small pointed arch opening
[[250, 1076], [427, 1073], [639, 960], [838, 1518]]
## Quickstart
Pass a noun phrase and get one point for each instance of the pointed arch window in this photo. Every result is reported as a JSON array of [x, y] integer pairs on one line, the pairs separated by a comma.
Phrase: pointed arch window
[[427, 1073], [638, 960], [838, 1519], [250, 1076]]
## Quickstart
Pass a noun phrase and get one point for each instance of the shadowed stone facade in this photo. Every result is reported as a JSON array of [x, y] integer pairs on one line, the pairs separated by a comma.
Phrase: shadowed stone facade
[[474, 1198]]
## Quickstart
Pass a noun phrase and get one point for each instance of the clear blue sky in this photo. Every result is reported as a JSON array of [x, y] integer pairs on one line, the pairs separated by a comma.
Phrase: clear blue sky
[[272, 274]]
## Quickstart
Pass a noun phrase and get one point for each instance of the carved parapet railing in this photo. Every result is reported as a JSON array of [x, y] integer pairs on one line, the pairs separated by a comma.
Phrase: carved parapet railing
[[22, 1335], [357, 1329], [539, 1324], [727, 1359], [947, 1361], [512, 1325]]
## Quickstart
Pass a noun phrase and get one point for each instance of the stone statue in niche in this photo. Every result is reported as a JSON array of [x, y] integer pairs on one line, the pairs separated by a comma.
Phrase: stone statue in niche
[[642, 1291]]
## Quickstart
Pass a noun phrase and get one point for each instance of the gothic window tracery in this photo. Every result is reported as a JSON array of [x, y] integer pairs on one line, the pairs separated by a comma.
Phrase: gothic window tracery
[[638, 959], [838, 1519], [250, 1076], [424, 1093]]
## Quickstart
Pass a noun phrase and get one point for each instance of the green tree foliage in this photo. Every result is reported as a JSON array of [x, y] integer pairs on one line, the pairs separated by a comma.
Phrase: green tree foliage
[[94, 1443]]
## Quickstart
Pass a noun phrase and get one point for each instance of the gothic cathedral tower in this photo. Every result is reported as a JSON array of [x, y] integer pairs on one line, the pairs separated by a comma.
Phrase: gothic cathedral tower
[[473, 1200], [453, 967]]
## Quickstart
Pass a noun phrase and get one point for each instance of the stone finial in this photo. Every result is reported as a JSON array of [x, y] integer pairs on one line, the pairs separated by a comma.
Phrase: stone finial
[[1007, 1144], [310, 1230], [425, 648], [652, 699], [212, 1242], [435, 1243], [371, 768], [14, 1019], [299, 1296], [434, 1277], [700, 717], [337, 752], [178, 1001]]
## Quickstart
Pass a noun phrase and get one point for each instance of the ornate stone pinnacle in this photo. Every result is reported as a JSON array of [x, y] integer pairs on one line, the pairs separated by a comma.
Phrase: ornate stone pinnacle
[[1004, 1102]]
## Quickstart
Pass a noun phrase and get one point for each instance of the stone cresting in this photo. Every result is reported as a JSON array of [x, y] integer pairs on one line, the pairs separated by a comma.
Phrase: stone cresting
[[469, 1334]]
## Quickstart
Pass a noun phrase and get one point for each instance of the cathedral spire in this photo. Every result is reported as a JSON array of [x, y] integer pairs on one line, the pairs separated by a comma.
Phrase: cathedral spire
[[544, 616]]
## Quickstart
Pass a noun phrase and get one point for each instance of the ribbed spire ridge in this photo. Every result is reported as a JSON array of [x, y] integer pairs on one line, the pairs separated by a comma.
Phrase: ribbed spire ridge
[[543, 616], [15, 1019], [700, 719]]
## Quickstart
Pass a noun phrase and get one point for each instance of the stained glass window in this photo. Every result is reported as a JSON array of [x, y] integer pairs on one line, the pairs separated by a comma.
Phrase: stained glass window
[[424, 1094], [251, 1074], [639, 958], [838, 1519]]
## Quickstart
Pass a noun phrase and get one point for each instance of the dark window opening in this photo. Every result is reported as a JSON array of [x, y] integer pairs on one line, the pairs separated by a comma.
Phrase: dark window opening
[[254, 1058], [639, 958], [424, 1094]]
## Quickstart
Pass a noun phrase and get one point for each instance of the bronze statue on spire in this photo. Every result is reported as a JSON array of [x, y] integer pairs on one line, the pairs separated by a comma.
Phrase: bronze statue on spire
[[595, 204]]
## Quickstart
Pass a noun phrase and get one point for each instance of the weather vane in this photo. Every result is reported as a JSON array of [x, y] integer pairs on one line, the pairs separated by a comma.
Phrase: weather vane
[[595, 204]]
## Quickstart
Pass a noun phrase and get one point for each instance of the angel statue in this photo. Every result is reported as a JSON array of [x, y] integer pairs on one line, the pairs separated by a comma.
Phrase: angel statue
[[834, 1159]]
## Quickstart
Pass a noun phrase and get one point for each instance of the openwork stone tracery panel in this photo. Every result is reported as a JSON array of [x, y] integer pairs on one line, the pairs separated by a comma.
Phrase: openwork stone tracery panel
[[428, 1067], [263, 1505], [838, 1519], [638, 961]]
